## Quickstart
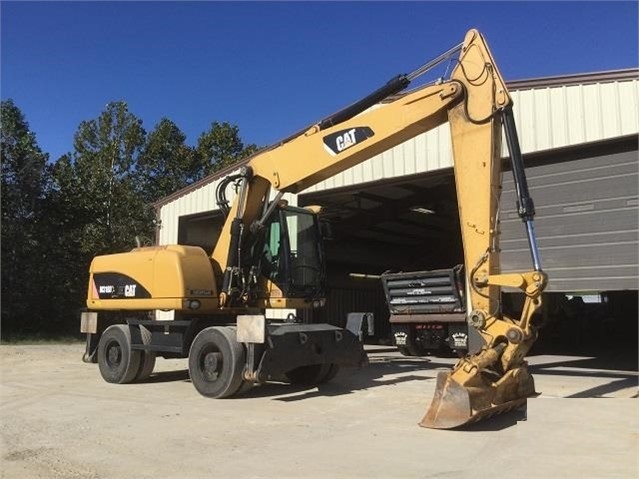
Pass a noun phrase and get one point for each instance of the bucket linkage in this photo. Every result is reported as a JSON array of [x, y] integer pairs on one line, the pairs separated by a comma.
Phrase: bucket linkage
[[496, 379]]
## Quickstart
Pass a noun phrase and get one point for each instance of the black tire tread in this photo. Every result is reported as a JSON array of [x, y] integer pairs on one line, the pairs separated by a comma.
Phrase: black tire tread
[[130, 359], [147, 361], [233, 356]]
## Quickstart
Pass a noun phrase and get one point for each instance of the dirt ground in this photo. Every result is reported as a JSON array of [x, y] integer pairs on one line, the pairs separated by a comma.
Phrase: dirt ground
[[59, 419]]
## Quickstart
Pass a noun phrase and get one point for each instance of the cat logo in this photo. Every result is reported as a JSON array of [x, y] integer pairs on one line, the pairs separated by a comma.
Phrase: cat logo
[[342, 140], [129, 290]]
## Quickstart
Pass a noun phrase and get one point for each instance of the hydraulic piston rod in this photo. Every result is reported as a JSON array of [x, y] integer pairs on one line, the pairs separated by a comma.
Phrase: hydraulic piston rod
[[525, 204]]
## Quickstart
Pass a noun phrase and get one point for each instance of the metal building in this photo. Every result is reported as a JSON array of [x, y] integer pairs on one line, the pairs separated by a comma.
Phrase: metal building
[[579, 137]]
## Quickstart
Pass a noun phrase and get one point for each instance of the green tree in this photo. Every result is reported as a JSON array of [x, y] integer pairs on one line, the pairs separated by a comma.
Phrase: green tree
[[24, 186], [95, 200], [103, 179], [221, 146], [166, 163]]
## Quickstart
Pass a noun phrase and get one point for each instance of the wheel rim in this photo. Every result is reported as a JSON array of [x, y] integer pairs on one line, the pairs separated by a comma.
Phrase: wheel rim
[[113, 355], [211, 364]]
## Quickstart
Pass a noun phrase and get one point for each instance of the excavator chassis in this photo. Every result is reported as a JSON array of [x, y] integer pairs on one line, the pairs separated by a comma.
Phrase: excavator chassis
[[219, 360]]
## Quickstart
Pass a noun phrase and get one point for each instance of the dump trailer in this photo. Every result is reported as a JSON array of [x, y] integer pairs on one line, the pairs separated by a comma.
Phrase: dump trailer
[[427, 311], [270, 255]]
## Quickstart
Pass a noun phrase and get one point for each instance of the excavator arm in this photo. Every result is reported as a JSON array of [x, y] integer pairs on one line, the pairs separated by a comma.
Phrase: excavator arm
[[495, 379]]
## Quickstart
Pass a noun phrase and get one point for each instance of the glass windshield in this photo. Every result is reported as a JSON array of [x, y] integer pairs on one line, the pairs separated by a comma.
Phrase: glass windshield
[[291, 256], [305, 268]]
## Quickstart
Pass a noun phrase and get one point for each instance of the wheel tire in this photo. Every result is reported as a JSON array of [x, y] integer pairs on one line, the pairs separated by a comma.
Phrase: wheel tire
[[216, 361], [404, 350], [118, 363], [147, 361], [245, 387], [416, 350], [311, 374]]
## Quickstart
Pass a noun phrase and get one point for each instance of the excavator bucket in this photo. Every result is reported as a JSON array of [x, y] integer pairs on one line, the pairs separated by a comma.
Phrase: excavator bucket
[[452, 406], [461, 399]]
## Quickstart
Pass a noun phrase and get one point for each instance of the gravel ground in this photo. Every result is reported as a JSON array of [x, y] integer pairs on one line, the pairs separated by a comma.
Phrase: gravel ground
[[59, 419]]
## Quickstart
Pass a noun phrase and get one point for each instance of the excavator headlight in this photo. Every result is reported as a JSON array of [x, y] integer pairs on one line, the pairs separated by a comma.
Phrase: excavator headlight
[[317, 303], [194, 304]]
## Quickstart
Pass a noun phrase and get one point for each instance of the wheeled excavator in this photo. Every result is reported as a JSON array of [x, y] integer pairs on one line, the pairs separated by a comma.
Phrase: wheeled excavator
[[269, 255]]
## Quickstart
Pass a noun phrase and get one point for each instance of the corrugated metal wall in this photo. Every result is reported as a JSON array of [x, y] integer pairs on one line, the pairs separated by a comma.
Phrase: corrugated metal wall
[[546, 118], [587, 223], [563, 116], [198, 201]]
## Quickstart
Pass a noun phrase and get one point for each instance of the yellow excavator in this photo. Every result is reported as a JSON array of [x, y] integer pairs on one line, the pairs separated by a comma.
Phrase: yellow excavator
[[269, 255]]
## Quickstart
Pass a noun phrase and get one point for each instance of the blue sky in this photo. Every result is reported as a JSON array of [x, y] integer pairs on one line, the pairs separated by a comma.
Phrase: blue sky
[[272, 68]]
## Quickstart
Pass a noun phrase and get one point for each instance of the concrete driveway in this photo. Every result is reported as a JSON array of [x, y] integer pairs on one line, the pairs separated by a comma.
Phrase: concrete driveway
[[59, 419]]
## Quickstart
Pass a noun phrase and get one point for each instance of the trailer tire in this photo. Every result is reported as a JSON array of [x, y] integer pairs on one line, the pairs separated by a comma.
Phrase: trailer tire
[[117, 362], [416, 350], [147, 361], [404, 350], [216, 362]]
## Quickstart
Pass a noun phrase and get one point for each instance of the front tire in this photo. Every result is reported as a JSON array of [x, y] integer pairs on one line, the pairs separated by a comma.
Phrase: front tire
[[118, 363], [216, 362]]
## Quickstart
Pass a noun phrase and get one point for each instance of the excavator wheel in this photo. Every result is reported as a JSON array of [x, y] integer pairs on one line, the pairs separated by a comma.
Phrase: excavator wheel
[[216, 361], [147, 361], [118, 363]]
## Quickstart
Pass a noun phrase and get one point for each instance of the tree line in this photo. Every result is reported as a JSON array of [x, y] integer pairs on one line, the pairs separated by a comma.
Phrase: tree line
[[96, 199]]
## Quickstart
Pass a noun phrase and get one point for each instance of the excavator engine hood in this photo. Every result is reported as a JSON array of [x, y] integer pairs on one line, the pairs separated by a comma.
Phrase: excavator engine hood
[[161, 277]]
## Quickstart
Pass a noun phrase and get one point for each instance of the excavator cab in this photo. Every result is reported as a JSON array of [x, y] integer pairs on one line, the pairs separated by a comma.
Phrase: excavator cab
[[292, 257]]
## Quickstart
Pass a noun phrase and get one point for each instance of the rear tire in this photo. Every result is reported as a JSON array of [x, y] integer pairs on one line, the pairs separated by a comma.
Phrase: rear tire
[[216, 362], [118, 363], [416, 350], [147, 361], [332, 372], [311, 374]]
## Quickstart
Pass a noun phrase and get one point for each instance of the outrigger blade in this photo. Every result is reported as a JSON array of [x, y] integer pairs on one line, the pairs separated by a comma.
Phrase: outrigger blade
[[455, 405]]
